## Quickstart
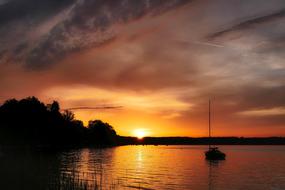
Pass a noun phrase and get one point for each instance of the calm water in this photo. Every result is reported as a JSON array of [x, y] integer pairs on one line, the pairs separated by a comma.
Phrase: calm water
[[145, 167]]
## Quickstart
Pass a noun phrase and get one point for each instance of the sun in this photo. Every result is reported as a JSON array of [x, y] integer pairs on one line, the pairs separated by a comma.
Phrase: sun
[[140, 133]]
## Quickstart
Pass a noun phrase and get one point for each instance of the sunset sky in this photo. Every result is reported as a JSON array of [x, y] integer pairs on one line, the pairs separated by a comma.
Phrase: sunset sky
[[161, 60]]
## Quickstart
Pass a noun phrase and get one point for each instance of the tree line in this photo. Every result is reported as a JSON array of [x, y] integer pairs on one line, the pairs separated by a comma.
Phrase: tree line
[[29, 122]]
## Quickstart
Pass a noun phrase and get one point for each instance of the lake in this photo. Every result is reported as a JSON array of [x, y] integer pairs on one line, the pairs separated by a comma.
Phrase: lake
[[144, 167]]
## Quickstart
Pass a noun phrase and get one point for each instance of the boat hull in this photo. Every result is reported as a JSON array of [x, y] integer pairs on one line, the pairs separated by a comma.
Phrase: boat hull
[[215, 155]]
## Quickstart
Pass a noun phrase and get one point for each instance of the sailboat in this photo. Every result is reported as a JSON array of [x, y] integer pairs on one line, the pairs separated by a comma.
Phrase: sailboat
[[213, 153]]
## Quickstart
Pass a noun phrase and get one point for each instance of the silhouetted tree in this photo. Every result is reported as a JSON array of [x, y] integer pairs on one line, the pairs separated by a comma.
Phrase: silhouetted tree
[[54, 107], [30, 122], [68, 115], [101, 133], [23, 121]]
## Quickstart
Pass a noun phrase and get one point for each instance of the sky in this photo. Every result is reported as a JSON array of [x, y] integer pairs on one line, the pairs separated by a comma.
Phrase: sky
[[160, 61]]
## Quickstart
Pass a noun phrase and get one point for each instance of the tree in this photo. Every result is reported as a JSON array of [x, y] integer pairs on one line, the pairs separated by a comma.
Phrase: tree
[[68, 115], [54, 107], [101, 133], [31, 122]]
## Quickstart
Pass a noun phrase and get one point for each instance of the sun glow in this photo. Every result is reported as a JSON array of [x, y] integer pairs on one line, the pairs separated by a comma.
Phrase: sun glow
[[140, 133]]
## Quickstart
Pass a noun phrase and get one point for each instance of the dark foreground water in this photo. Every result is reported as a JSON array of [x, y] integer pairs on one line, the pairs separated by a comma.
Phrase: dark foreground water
[[145, 167]]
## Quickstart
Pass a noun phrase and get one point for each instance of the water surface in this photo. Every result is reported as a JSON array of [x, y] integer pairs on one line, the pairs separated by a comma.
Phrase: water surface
[[145, 167]]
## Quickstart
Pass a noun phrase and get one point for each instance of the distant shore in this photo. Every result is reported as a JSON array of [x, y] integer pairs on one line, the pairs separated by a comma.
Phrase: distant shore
[[123, 140]]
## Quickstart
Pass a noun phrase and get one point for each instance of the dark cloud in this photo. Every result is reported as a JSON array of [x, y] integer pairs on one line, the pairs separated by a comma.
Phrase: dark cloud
[[261, 97], [89, 24], [30, 9]]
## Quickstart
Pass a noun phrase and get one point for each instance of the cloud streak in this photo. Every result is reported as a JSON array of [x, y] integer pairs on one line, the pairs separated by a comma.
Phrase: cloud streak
[[251, 22]]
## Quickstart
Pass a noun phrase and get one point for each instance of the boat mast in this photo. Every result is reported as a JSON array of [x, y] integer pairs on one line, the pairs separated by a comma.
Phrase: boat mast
[[209, 122]]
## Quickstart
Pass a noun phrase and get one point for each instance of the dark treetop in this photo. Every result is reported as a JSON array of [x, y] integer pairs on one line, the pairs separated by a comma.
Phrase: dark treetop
[[29, 122]]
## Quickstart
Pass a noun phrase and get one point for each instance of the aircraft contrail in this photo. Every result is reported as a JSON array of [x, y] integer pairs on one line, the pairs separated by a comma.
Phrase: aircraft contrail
[[209, 44], [93, 108]]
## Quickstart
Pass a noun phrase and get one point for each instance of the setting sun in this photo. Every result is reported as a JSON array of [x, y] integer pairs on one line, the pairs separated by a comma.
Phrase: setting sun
[[140, 133]]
